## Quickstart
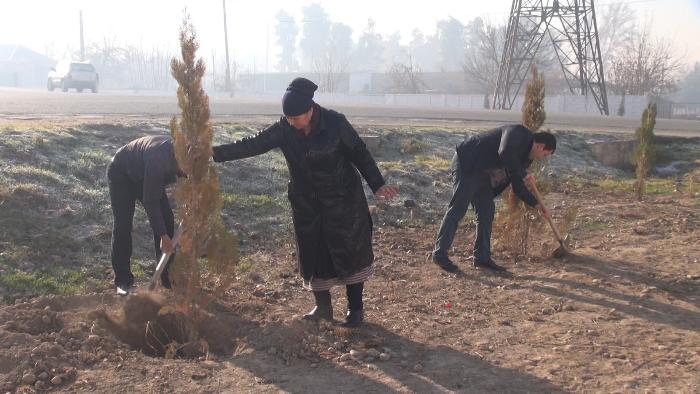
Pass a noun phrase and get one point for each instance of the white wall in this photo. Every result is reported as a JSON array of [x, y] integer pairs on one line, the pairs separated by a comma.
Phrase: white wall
[[634, 105]]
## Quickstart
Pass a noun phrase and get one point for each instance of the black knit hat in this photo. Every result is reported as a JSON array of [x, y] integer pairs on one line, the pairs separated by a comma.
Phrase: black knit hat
[[299, 97]]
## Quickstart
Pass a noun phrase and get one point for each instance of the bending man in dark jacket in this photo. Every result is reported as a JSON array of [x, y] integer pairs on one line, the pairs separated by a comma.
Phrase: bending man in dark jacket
[[140, 170], [483, 166], [331, 219]]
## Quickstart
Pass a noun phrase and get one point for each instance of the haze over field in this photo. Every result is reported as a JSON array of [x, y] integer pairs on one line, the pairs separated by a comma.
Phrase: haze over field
[[50, 27], [648, 48]]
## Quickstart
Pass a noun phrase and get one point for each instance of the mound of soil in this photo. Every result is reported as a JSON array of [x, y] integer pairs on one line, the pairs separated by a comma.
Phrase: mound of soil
[[148, 324]]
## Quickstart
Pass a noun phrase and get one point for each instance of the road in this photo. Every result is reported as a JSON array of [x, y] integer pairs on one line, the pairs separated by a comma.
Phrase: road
[[26, 103]]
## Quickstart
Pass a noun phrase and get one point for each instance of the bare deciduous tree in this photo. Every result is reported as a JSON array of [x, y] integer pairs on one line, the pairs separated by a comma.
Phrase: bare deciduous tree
[[483, 54], [407, 78], [330, 68], [130, 66], [334, 61], [617, 25], [107, 56], [646, 65]]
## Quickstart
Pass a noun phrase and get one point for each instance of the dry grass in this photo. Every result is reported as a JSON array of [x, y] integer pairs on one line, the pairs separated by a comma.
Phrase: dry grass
[[412, 146]]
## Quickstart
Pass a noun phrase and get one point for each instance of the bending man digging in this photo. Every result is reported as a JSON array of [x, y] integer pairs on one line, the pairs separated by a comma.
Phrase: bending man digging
[[483, 166], [140, 170]]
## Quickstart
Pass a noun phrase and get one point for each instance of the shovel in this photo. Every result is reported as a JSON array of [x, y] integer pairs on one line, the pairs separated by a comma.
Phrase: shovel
[[164, 259], [562, 250]]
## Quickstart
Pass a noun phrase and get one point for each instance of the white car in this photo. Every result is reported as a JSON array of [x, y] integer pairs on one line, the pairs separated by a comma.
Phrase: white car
[[73, 75]]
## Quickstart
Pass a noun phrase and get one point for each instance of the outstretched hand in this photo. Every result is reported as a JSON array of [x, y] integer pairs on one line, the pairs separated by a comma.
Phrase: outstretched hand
[[544, 211], [192, 152], [386, 192]]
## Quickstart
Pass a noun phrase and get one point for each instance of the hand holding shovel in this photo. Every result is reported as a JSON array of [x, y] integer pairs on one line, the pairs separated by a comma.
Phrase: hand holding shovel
[[164, 259]]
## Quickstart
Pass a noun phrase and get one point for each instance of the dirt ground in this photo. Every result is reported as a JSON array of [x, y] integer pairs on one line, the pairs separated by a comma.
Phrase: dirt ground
[[619, 314]]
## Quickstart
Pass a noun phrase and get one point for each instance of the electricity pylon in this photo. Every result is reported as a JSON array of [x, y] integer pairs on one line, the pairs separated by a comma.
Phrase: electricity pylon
[[571, 26]]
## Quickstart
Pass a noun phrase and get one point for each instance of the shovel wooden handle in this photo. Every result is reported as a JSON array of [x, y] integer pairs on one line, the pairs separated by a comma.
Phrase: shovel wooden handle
[[549, 219]]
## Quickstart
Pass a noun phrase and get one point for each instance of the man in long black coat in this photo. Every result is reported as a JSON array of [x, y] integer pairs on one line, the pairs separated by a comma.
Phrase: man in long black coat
[[482, 167], [140, 170], [331, 218]]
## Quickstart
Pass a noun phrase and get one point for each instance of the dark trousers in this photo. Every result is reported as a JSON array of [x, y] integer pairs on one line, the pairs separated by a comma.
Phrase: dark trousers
[[474, 189], [123, 195]]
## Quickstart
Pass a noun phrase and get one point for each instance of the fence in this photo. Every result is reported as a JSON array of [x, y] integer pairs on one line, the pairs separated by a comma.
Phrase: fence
[[686, 111]]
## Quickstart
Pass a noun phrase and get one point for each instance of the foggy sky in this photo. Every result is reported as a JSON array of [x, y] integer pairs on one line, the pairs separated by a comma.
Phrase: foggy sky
[[50, 27]]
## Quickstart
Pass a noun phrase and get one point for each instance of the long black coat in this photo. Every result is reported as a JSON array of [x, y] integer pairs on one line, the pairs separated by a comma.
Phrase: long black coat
[[331, 218]]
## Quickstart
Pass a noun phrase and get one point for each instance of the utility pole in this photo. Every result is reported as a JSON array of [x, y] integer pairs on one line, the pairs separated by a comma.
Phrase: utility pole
[[267, 57], [82, 41], [572, 27], [228, 64], [213, 69]]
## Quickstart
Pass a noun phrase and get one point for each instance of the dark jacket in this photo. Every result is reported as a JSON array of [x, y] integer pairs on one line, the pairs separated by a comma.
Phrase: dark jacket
[[148, 161], [506, 147], [331, 218]]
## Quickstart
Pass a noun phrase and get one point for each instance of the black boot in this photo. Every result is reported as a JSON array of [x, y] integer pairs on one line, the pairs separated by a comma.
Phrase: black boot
[[323, 309], [355, 316], [490, 265], [445, 263]]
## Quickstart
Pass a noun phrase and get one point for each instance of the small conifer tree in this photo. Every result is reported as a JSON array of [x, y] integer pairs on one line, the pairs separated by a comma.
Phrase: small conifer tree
[[533, 107], [198, 279], [520, 218], [645, 153], [621, 108]]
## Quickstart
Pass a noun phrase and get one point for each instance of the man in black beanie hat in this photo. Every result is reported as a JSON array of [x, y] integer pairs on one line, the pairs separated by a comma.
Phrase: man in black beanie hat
[[331, 218]]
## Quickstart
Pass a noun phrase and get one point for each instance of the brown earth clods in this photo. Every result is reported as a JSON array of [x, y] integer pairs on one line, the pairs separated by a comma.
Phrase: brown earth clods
[[622, 313]]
